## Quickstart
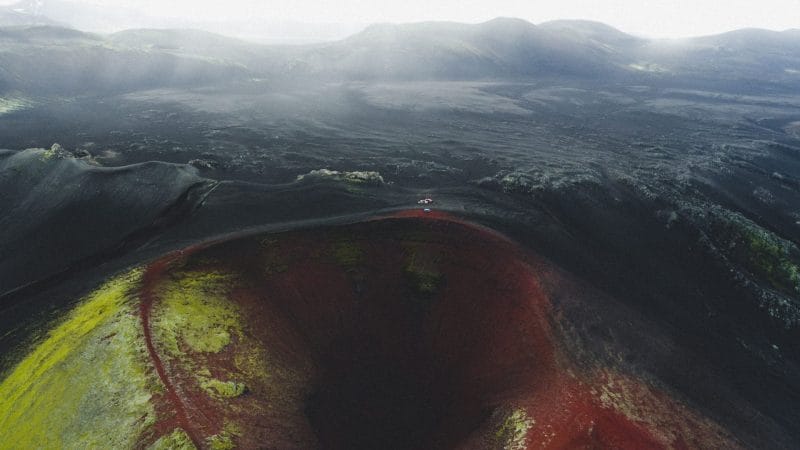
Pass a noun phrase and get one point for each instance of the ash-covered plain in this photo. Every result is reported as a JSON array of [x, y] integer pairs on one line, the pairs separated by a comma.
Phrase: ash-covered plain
[[656, 188]]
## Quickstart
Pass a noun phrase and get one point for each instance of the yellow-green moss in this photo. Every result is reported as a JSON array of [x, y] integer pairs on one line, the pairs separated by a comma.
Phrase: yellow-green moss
[[225, 439], [218, 388], [232, 429], [221, 441], [48, 155], [55, 151], [252, 361], [178, 440], [513, 431], [194, 310], [193, 316], [86, 384]]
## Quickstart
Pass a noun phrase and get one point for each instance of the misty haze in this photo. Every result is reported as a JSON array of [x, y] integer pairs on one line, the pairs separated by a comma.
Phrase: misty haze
[[404, 226]]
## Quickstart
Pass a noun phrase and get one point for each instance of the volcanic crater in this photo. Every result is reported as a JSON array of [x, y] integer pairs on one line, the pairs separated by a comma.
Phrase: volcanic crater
[[396, 333], [418, 330], [413, 331]]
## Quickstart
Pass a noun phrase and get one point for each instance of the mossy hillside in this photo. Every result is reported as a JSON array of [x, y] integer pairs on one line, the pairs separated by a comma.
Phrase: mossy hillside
[[194, 320], [87, 383], [194, 312]]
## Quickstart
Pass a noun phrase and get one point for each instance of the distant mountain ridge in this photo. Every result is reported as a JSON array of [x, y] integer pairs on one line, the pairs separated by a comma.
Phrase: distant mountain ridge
[[498, 48], [46, 60], [97, 18], [503, 48], [515, 49]]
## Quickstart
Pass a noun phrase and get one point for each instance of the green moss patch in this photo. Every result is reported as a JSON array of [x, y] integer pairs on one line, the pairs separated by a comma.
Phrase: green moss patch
[[226, 389], [221, 441], [177, 440], [194, 311], [87, 384], [194, 319], [224, 440]]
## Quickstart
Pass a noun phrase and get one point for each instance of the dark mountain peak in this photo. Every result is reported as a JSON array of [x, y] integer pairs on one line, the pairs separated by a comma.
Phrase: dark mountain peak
[[743, 34], [438, 50], [587, 26], [380, 29], [588, 29], [507, 29], [508, 22], [754, 38], [447, 35], [504, 25], [750, 31]]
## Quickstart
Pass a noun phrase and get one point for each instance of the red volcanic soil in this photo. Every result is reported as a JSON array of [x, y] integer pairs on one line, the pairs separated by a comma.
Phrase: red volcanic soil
[[413, 331], [172, 401]]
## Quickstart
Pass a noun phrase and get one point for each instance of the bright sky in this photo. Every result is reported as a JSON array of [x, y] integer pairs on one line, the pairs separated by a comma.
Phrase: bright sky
[[656, 18]]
